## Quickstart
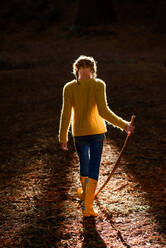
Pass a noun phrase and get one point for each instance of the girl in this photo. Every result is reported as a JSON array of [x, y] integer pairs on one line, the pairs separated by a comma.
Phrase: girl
[[86, 98]]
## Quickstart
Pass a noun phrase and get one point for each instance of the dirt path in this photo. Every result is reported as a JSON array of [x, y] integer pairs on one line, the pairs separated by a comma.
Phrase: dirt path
[[40, 207], [38, 201]]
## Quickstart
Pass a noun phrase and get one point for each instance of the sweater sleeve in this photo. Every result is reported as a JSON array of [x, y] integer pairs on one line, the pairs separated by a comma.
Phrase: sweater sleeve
[[65, 116], [104, 110]]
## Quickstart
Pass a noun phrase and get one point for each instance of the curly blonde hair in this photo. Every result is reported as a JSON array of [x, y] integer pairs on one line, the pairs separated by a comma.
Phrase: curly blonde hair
[[85, 61]]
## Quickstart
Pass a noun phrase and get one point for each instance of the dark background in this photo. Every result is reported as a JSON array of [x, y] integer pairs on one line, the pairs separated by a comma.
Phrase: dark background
[[40, 14]]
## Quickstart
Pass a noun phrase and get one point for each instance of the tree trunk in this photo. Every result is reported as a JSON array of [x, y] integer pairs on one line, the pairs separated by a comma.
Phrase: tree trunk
[[95, 12], [160, 21]]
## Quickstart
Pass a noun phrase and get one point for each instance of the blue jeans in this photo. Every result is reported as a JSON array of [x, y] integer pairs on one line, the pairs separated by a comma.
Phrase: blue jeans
[[89, 149]]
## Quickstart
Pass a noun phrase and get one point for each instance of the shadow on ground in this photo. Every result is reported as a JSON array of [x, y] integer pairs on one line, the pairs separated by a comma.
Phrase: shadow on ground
[[90, 234]]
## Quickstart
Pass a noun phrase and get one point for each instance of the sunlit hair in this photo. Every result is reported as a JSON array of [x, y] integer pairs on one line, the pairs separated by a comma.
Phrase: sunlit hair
[[85, 62]]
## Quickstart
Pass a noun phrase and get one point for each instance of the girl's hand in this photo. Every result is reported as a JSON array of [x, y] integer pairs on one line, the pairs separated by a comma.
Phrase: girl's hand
[[63, 146], [129, 129]]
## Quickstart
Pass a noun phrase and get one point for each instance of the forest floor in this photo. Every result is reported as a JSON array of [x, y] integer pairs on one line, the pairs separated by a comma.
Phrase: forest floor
[[39, 206]]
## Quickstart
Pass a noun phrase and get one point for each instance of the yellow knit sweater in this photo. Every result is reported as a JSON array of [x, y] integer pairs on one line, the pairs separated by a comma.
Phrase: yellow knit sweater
[[86, 103]]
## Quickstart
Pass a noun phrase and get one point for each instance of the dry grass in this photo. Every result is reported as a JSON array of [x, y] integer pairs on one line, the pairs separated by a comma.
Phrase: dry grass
[[38, 203]]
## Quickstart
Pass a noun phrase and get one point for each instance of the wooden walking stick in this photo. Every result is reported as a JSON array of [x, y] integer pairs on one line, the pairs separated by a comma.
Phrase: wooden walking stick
[[118, 160]]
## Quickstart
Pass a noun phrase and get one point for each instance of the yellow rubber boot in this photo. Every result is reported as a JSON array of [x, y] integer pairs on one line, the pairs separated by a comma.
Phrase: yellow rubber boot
[[88, 210], [81, 190]]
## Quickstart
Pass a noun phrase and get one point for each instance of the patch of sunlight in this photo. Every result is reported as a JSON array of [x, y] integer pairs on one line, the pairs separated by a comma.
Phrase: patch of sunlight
[[122, 195], [28, 188]]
